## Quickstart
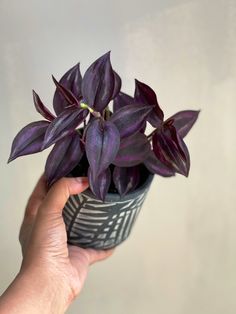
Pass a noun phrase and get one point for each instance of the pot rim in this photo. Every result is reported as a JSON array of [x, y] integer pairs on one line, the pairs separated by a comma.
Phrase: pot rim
[[115, 197]]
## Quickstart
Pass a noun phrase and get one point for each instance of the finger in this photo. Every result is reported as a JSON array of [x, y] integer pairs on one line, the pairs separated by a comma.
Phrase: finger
[[24, 235], [82, 257], [59, 193], [36, 198], [98, 255]]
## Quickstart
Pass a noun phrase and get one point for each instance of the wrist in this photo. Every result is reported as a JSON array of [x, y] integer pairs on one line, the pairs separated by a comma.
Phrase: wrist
[[49, 292], [35, 291]]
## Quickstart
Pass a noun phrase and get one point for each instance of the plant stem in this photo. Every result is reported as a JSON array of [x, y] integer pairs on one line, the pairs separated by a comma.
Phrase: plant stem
[[107, 110], [82, 141], [78, 130], [151, 134], [96, 114], [85, 123]]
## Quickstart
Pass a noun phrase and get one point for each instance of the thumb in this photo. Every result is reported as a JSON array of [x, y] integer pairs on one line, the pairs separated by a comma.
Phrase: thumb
[[59, 193]]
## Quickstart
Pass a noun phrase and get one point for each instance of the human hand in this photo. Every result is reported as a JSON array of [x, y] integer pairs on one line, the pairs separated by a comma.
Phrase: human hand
[[51, 268]]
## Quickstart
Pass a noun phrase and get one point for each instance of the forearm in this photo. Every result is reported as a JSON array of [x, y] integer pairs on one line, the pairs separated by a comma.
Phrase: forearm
[[33, 294]]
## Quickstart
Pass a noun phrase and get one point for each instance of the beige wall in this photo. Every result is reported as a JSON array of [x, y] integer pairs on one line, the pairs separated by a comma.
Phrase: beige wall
[[181, 256]]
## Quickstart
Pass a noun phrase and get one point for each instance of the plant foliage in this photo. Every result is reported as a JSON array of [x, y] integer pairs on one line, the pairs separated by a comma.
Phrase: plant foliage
[[112, 139]]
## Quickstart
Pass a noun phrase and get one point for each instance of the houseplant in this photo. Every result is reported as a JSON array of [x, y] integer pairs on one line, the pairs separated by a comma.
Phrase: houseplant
[[109, 145]]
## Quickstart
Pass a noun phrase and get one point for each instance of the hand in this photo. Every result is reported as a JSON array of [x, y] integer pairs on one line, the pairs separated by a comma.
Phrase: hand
[[49, 263]]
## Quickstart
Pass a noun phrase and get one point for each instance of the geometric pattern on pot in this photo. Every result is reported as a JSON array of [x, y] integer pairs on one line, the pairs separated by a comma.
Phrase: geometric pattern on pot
[[100, 225]]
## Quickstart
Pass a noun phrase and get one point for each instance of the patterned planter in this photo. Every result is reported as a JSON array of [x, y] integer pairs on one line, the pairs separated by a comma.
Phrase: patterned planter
[[102, 225]]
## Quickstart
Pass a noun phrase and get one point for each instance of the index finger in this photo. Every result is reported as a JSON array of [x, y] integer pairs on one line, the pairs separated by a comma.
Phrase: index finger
[[59, 193]]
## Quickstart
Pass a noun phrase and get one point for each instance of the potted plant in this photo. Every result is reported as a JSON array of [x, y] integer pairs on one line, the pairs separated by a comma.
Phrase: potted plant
[[109, 145]]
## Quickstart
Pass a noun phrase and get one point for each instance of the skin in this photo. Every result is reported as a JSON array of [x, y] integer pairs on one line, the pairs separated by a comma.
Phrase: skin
[[52, 273]]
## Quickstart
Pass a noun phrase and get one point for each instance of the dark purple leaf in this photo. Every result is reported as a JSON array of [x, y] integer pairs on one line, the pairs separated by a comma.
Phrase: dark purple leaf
[[143, 129], [126, 179], [175, 138], [100, 185], [72, 81], [98, 83], [41, 108], [130, 119], [171, 150], [145, 95], [183, 121], [63, 125], [155, 166], [133, 151], [29, 140], [154, 120], [102, 143], [63, 158], [122, 100], [69, 97], [117, 85]]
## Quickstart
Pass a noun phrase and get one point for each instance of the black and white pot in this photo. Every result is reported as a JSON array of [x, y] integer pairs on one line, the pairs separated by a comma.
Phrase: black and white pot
[[91, 223]]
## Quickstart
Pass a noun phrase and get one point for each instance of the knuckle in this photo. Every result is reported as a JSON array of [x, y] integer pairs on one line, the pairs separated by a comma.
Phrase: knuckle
[[62, 185]]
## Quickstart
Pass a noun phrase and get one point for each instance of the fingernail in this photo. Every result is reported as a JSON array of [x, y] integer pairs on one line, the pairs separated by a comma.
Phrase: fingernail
[[81, 179]]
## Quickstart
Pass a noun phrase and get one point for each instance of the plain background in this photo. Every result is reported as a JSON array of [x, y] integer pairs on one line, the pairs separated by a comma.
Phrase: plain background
[[181, 256]]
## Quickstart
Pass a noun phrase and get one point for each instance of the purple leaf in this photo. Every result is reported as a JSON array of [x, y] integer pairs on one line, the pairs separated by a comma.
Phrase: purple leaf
[[130, 119], [101, 184], [183, 121], [126, 179], [63, 125], [171, 150], [41, 108], [143, 129], [67, 94], [72, 81], [29, 140], [102, 143], [133, 151], [63, 158], [117, 85], [98, 83], [145, 95], [155, 166], [122, 100]]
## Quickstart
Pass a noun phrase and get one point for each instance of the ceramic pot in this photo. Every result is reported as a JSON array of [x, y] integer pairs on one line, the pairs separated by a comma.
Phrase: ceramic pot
[[91, 223]]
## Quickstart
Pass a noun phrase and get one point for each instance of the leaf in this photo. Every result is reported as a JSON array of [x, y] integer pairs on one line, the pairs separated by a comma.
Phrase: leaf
[[122, 100], [41, 108], [183, 121], [71, 80], [101, 145], [101, 184], [146, 95], [67, 94], [171, 150], [133, 151], [130, 119], [126, 179], [117, 85], [155, 166], [29, 140], [98, 83], [63, 158], [63, 125], [143, 129]]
